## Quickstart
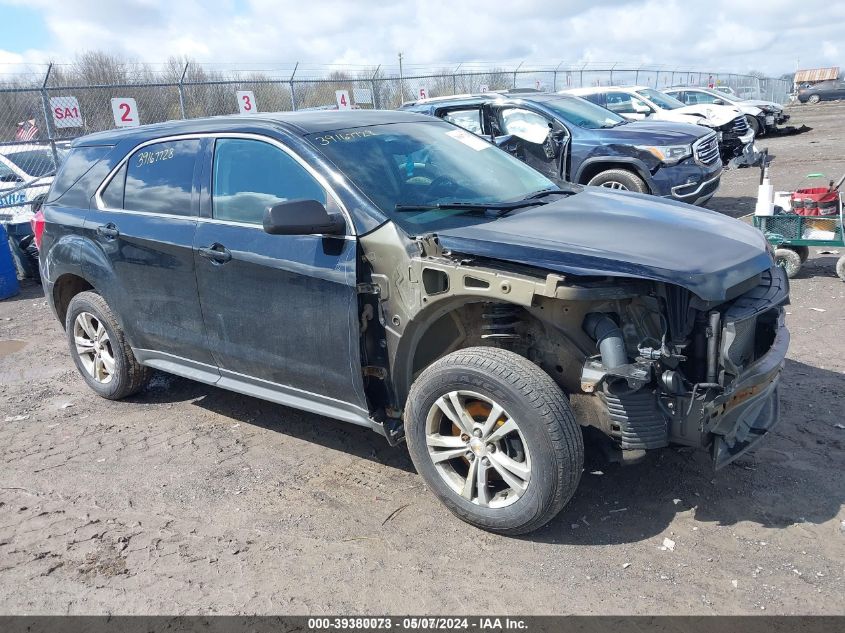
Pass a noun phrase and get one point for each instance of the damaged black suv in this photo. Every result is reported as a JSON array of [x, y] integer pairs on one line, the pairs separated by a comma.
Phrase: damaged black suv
[[394, 271]]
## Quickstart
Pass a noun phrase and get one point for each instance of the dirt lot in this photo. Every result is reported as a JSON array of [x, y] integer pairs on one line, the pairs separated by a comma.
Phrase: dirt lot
[[189, 499]]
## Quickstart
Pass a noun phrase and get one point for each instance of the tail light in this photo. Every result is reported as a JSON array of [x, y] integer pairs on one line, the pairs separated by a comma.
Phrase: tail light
[[37, 224]]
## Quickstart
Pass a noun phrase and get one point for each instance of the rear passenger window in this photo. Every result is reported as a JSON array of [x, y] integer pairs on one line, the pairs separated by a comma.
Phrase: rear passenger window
[[113, 193], [159, 178], [251, 175]]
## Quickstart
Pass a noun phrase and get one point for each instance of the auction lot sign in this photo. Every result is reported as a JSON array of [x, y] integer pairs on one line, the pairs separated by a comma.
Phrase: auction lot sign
[[66, 112], [125, 112]]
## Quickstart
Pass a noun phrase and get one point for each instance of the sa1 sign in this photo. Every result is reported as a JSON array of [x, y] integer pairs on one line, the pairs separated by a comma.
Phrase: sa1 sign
[[66, 112], [125, 112], [423, 93], [342, 98], [246, 102]]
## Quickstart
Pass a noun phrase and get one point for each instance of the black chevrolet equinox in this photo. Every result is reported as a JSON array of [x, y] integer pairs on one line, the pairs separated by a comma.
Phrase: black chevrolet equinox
[[392, 270]]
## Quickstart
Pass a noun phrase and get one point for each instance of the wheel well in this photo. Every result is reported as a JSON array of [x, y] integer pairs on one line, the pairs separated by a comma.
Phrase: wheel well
[[594, 169], [66, 288], [494, 324]]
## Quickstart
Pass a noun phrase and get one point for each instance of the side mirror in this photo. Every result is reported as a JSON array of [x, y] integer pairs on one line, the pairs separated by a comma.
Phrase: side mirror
[[302, 217], [719, 102]]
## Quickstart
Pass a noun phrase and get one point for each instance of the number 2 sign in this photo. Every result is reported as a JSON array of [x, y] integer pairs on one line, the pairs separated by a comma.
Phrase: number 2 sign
[[125, 112], [246, 102]]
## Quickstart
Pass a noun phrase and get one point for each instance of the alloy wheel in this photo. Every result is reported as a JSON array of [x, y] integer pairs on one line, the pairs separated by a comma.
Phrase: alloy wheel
[[93, 347], [614, 184], [478, 449]]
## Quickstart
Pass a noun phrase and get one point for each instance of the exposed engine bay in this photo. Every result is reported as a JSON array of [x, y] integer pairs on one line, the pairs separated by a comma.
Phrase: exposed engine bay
[[646, 363]]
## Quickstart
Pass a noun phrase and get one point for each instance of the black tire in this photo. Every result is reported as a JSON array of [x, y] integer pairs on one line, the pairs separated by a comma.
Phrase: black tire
[[789, 260], [627, 180], [840, 267], [813, 99], [803, 252], [533, 400], [755, 126], [129, 376]]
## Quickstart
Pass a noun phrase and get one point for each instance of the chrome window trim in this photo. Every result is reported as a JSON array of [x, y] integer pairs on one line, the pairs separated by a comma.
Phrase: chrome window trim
[[321, 180]]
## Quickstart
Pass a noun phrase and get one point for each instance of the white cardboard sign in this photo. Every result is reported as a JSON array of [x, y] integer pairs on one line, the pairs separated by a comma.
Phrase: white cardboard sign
[[246, 102], [66, 112], [423, 92], [125, 112], [483, 88], [342, 98]]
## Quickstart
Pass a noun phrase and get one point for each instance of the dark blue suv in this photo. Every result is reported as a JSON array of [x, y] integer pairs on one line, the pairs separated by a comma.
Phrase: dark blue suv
[[570, 138], [395, 271]]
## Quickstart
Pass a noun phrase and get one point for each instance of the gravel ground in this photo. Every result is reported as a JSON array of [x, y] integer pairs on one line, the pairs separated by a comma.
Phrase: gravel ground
[[190, 499]]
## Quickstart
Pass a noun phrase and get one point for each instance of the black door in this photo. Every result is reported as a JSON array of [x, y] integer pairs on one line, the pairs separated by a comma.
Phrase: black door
[[144, 223], [280, 310]]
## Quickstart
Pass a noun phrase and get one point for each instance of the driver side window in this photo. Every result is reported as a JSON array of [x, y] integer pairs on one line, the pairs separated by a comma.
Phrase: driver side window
[[525, 124]]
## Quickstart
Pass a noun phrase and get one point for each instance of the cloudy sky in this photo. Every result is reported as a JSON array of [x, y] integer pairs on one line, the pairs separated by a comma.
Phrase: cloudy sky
[[729, 35]]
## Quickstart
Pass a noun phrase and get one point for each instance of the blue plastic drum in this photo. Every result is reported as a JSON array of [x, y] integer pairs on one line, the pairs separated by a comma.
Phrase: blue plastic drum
[[8, 275]]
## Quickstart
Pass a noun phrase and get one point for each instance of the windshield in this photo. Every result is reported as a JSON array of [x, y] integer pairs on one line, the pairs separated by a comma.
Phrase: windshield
[[584, 114], [660, 99], [413, 165], [35, 162]]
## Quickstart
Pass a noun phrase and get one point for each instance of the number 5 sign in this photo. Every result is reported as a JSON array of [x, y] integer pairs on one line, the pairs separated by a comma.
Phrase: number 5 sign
[[246, 102], [125, 112]]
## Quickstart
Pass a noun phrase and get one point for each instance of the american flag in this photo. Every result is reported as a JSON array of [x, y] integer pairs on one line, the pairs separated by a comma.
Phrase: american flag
[[27, 130]]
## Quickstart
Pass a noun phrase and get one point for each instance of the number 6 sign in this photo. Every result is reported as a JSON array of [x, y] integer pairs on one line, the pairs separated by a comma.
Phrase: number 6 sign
[[125, 112], [246, 102]]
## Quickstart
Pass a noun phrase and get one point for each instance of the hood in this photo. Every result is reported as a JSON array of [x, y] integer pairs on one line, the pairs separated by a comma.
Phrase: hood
[[599, 232], [655, 132], [714, 115]]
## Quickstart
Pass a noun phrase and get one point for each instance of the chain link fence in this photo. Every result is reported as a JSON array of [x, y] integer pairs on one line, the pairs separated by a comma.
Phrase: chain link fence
[[43, 110]]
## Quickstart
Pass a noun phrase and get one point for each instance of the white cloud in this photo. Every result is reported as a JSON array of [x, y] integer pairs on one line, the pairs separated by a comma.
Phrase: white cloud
[[737, 35]]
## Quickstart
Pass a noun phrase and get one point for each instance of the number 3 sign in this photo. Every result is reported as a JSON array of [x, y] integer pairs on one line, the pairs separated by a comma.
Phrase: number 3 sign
[[246, 102], [125, 112]]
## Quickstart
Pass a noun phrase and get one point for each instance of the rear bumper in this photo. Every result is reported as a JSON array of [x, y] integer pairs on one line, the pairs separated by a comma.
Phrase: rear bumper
[[743, 414]]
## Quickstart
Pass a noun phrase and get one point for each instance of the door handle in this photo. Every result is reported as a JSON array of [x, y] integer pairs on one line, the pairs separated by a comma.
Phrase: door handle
[[108, 231], [217, 253]]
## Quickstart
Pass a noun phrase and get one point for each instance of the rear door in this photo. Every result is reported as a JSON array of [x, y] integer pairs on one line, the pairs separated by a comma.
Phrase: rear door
[[280, 310], [144, 218]]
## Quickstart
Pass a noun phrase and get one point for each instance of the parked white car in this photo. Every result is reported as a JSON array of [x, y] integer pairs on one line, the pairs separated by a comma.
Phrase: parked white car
[[26, 173], [736, 139], [762, 116]]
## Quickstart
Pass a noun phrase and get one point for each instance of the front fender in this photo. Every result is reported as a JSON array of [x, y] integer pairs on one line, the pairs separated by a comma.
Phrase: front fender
[[611, 162]]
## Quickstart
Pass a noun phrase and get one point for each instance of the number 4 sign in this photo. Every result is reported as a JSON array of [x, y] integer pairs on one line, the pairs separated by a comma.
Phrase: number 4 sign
[[342, 98], [125, 112], [246, 102]]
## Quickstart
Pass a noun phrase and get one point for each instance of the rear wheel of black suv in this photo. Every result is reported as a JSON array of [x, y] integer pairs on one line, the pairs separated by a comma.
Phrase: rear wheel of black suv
[[99, 349], [620, 179], [495, 439]]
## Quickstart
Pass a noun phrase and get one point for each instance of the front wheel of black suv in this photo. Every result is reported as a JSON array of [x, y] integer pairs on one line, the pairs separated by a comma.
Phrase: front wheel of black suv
[[99, 348], [495, 439], [620, 179]]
